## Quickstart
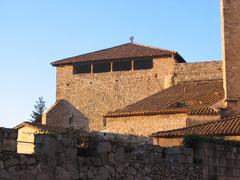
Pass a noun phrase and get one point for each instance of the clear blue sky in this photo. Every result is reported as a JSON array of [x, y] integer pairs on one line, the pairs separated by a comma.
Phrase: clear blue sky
[[35, 33]]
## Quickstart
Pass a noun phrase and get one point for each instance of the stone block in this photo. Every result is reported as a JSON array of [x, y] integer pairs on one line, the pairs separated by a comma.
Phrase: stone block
[[11, 162], [31, 161], [1, 165], [13, 134], [104, 147], [9, 145], [67, 141], [119, 154]]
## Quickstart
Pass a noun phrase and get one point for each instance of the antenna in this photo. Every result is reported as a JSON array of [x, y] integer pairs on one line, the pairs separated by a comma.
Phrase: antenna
[[131, 39]]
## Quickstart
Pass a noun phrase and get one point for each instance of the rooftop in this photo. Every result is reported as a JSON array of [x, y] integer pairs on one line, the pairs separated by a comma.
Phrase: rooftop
[[42, 127], [124, 51], [224, 127], [193, 97]]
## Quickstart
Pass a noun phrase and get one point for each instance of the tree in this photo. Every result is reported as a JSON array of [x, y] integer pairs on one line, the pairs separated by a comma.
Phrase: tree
[[39, 108]]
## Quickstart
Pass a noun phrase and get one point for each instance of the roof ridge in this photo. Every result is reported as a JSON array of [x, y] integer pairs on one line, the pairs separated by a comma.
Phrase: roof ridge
[[114, 47], [163, 49]]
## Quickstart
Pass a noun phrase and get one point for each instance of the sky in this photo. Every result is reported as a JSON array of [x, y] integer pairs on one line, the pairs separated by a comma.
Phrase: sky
[[35, 33]]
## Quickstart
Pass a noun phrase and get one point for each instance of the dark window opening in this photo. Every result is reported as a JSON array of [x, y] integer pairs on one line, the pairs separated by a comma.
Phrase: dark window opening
[[81, 68], [143, 64], [101, 67], [122, 66]]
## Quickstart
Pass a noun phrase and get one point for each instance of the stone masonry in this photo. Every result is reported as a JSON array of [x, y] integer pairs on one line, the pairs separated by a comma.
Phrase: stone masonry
[[197, 71], [93, 95], [80, 156], [230, 11], [96, 94]]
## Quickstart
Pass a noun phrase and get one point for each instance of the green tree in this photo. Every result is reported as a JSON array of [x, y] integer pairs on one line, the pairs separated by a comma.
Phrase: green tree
[[39, 108]]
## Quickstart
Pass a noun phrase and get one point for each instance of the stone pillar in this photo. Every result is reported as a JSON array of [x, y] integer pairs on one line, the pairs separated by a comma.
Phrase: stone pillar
[[230, 14]]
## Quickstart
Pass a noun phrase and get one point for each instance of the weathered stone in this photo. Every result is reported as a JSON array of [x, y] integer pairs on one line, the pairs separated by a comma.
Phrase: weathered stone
[[9, 145], [71, 153], [11, 162], [104, 147], [42, 176], [13, 134], [90, 174], [4, 175], [103, 173], [119, 154], [1, 164], [31, 161], [62, 174], [67, 141], [132, 171]]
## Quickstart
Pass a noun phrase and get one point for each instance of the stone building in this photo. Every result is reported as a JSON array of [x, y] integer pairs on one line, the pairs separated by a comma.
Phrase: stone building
[[182, 105], [227, 126], [95, 83], [137, 89], [109, 79]]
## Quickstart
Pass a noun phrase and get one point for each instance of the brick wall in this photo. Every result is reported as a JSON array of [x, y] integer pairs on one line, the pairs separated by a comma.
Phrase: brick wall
[[96, 94]]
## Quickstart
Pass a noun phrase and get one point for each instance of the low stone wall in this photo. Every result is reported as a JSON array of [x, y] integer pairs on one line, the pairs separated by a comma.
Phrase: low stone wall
[[114, 159], [218, 161], [8, 140], [63, 157], [105, 156]]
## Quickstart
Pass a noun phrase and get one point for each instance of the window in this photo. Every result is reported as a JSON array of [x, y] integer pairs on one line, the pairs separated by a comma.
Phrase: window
[[143, 64], [101, 67], [81, 68], [122, 65]]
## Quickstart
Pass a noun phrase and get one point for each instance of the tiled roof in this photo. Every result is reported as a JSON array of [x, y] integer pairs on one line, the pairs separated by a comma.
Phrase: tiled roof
[[124, 51], [195, 97], [225, 127]]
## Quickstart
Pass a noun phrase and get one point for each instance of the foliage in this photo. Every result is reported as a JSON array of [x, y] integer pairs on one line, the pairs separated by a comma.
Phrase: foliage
[[38, 111]]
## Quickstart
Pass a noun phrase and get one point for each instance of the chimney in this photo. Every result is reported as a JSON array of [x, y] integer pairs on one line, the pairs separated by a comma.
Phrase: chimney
[[230, 15]]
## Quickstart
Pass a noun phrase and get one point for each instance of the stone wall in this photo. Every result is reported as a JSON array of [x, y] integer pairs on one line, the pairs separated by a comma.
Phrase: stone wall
[[197, 71], [218, 161], [230, 15], [64, 114], [96, 94], [102, 156], [8, 139], [193, 120], [145, 125]]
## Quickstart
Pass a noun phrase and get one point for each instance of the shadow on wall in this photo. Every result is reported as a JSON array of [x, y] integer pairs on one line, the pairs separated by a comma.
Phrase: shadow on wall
[[64, 114]]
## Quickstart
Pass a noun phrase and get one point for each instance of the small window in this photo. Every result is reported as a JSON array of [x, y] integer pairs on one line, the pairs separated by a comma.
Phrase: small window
[[122, 66], [81, 68], [101, 67], [143, 64]]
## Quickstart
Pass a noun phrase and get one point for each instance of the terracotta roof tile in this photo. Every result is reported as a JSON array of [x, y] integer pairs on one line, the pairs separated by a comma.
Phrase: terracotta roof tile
[[195, 97], [124, 51], [224, 127]]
